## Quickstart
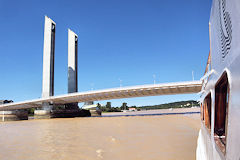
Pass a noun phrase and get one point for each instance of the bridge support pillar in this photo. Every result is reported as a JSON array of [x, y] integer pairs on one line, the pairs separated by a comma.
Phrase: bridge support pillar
[[44, 112], [72, 66], [13, 115], [48, 67]]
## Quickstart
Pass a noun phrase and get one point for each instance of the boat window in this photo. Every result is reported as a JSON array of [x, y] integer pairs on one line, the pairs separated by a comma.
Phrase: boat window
[[207, 111], [221, 109]]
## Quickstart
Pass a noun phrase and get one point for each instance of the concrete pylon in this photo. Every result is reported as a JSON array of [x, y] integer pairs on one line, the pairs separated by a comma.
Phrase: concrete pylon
[[48, 58], [72, 62], [72, 66], [48, 66]]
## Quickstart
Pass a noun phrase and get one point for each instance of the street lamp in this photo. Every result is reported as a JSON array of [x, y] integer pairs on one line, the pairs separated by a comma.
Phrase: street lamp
[[193, 75], [154, 79], [120, 81], [92, 85]]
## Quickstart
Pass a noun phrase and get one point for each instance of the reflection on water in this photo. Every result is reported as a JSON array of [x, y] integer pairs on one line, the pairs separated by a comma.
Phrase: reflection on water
[[148, 137]]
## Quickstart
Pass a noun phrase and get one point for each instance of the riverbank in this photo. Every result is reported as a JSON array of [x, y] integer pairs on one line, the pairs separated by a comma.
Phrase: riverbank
[[156, 112]]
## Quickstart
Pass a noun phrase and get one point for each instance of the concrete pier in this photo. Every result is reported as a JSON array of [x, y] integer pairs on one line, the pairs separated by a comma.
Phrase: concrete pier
[[13, 115], [48, 67]]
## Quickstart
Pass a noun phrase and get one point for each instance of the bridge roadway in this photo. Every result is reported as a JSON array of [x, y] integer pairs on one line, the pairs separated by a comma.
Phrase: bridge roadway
[[113, 93]]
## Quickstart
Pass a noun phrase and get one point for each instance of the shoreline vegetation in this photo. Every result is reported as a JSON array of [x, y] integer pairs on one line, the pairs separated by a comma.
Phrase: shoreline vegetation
[[179, 104]]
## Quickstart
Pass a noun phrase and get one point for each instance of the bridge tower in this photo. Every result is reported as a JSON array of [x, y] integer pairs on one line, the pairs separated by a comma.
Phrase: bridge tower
[[48, 58], [48, 66], [72, 66]]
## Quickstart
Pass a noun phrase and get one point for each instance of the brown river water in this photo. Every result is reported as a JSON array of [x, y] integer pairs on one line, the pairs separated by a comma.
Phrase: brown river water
[[164, 137]]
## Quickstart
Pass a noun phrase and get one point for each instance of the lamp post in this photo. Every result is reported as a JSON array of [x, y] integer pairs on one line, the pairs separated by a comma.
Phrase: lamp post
[[154, 79], [193, 75], [92, 85], [120, 82]]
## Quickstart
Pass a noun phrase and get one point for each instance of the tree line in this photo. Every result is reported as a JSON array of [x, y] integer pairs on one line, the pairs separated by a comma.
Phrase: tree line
[[180, 104]]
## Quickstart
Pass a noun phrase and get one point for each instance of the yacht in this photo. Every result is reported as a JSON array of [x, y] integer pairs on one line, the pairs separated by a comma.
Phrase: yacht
[[219, 136]]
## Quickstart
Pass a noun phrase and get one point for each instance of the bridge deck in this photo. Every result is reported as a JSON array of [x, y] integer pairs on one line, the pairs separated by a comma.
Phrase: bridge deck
[[113, 93]]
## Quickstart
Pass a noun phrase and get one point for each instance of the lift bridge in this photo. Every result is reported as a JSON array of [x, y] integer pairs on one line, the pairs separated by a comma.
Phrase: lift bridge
[[74, 97], [113, 93]]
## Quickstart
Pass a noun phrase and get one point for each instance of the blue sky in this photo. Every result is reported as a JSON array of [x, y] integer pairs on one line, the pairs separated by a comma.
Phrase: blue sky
[[127, 40]]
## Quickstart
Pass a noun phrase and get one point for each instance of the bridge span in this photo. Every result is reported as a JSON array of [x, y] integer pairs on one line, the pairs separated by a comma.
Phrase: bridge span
[[112, 93]]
